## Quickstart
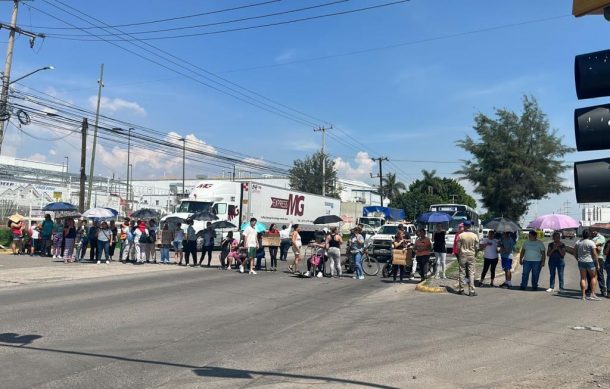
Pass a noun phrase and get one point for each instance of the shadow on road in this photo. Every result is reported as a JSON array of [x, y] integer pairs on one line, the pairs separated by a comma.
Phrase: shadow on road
[[201, 371], [11, 337]]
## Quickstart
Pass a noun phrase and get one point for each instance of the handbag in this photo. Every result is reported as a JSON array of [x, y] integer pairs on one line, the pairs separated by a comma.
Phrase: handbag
[[315, 260]]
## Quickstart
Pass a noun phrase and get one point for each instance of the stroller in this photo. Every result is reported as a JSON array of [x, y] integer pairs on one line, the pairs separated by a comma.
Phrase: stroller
[[316, 257]]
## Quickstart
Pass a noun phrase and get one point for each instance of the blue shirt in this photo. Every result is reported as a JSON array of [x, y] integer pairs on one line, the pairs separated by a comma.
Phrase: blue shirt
[[556, 255], [533, 250], [507, 245]]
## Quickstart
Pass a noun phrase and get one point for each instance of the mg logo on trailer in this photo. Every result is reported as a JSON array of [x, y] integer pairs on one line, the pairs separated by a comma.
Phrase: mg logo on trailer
[[294, 205]]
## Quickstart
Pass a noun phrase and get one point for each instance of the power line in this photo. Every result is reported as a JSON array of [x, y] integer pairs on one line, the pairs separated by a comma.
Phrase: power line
[[214, 23], [168, 19], [363, 9]]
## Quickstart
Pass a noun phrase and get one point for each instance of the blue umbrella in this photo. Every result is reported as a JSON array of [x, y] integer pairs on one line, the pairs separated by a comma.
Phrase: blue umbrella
[[59, 207], [259, 227], [434, 217], [115, 213]]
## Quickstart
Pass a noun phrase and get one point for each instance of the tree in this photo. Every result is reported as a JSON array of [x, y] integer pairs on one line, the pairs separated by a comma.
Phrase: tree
[[306, 175], [391, 187], [418, 198], [517, 159]]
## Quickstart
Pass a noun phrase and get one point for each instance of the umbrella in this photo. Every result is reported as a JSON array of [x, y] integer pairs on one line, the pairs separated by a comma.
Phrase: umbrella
[[59, 207], [554, 222], [203, 216], [16, 218], [174, 220], [223, 224], [66, 214], [145, 214], [434, 217], [115, 213], [500, 224], [259, 227], [327, 219], [98, 213]]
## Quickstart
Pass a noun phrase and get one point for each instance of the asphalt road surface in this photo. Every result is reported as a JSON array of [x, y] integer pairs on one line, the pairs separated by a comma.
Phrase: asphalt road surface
[[207, 328]]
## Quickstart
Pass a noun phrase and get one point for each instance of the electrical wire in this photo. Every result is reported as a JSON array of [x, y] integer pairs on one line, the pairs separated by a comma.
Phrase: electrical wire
[[131, 33], [163, 20], [363, 9]]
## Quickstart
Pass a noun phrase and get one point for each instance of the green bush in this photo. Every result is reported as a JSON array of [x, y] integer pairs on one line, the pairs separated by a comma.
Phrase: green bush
[[6, 237]]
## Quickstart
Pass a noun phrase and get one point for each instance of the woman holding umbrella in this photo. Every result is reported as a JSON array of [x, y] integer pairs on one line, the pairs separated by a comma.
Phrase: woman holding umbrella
[[46, 232], [58, 238], [69, 234]]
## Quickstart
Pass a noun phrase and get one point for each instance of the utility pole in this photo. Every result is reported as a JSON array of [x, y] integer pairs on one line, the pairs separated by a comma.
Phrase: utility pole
[[380, 160], [233, 173], [97, 118], [127, 182], [183, 164], [83, 163], [323, 131], [6, 76]]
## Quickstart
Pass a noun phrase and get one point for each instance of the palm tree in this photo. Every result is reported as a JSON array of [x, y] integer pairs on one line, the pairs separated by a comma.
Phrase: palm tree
[[430, 183], [391, 187]]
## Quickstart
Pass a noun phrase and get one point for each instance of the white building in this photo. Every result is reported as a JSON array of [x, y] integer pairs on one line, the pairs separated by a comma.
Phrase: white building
[[592, 214]]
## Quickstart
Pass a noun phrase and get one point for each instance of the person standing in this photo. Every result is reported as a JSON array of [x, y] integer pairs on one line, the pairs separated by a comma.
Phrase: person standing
[[532, 259], [166, 242], [58, 239], [104, 241], [606, 253], [35, 235], [600, 242], [208, 243], [233, 246], [115, 232], [17, 233], [178, 243], [296, 243], [455, 250], [140, 240], [273, 249], [92, 237], [468, 246], [489, 245], [123, 236], [556, 251], [69, 234], [586, 255], [151, 249], [334, 242], [82, 235], [507, 245], [190, 248], [284, 242], [251, 243], [423, 246], [46, 232], [440, 250], [356, 248], [401, 242]]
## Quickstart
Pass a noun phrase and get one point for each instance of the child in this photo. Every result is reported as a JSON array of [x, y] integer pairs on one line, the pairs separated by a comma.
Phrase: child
[[35, 236]]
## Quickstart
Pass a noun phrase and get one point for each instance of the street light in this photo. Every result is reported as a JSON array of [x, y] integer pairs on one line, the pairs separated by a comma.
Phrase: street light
[[67, 175], [4, 112], [50, 67], [128, 164], [183, 164]]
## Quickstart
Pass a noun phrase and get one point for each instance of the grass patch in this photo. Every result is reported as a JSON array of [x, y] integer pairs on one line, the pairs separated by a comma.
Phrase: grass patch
[[454, 267]]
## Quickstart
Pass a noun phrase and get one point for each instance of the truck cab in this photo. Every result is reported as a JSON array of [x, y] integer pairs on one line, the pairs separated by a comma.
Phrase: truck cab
[[381, 246]]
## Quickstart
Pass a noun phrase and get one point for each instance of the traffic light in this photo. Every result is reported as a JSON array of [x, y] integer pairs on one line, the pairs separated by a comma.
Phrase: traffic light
[[589, 7], [592, 124]]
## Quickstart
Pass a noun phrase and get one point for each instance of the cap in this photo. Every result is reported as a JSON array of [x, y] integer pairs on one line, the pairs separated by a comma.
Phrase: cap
[[467, 223]]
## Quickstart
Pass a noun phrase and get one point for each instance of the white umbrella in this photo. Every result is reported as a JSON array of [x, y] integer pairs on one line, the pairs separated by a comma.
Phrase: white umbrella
[[98, 213]]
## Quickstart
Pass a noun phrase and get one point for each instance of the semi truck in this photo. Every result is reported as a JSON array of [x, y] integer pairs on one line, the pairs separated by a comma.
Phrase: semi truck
[[236, 202], [376, 216]]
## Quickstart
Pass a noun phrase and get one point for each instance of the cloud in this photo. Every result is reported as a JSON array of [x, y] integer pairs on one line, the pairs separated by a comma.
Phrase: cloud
[[286, 56], [361, 170], [37, 157], [192, 142], [52, 152], [117, 104]]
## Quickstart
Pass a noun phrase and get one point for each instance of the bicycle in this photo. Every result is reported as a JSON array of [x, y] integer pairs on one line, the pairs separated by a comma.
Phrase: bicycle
[[370, 265]]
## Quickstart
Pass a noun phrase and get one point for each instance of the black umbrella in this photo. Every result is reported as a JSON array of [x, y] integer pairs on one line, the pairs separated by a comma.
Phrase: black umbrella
[[203, 216], [145, 214], [174, 220], [500, 224], [60, 207], [327, 219], [223, 224]]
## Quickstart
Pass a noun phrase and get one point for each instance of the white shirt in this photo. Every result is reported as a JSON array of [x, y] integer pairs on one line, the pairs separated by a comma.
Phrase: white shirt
[[250, 236], [35, 233], [491, 248], [285, 233]]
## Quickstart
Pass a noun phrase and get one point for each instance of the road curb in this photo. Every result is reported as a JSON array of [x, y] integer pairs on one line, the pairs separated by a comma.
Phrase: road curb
[[429, 289]]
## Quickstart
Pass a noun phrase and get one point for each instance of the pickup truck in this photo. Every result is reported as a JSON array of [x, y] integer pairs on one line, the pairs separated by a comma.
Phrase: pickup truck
[[381, 245], [568, 234]]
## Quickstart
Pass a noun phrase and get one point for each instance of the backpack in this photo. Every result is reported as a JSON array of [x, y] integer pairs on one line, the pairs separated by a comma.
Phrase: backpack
[[144, 238]]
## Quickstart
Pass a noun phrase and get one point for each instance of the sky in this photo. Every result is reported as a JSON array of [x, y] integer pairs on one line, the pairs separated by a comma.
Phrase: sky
[[402, 81]]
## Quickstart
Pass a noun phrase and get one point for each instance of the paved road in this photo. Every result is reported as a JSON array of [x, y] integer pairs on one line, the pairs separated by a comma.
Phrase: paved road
[[206, 328]]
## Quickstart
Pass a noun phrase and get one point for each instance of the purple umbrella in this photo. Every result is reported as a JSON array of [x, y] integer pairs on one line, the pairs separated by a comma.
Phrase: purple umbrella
[[554, 222]]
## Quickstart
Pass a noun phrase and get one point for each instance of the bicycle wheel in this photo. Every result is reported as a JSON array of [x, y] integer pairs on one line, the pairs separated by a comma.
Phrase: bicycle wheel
[[370, 266]]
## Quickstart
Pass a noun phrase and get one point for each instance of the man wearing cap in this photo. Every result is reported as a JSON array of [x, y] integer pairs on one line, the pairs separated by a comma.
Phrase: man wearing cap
[[468, 246], [600, 242], [532, 259]]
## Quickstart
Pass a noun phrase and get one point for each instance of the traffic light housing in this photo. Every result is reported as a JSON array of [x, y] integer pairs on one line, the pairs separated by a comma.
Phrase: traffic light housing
[[592, 124]]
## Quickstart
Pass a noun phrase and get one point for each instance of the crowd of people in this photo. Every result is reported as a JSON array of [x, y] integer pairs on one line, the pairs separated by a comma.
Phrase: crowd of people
[[137, 241]]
